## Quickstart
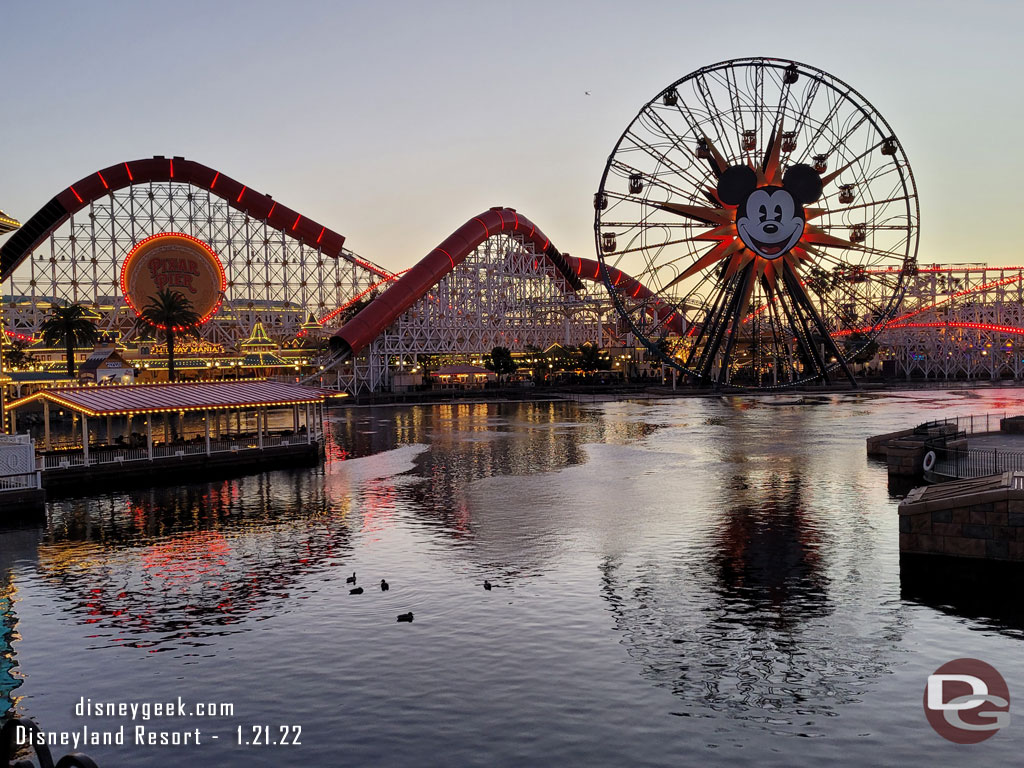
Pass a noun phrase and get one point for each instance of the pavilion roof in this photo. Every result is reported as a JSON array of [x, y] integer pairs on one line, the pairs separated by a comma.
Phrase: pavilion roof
[[7, 223], [191, 396]]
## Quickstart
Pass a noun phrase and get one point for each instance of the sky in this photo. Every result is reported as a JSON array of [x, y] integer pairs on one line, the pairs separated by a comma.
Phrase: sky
[[395, 122]]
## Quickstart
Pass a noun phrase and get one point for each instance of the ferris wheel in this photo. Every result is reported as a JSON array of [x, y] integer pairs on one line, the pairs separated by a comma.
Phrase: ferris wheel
[[770, 206]]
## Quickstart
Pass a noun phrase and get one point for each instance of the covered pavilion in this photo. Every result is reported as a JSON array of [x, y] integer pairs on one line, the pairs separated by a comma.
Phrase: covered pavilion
[[221, 411]]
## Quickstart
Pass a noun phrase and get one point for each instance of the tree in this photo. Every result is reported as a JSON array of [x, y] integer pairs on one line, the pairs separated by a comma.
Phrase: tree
[[17, 355], [356, 307], [171, 311], [591, 358], [71, 327], [501, 361]]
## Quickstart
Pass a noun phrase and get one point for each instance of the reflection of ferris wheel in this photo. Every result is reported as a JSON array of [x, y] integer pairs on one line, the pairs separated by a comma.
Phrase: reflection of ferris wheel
[[771, 206]]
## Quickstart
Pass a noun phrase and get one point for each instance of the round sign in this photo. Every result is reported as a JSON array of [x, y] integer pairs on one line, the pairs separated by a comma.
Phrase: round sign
[[177, 262]]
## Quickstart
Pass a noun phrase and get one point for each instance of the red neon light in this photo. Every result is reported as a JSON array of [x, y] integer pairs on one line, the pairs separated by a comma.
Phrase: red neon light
[[442, 250], [516, 215], [532, 230], [890, 270], [321, 236], [105, 185], [214, 182], [970, 326], [330, 316], [77, 195], [617, 278], [597, 271], [579, 266], [546, 244], [172, 169], [239, 198], [637, 291], [958, 294], [272, 209], [297, 220], [130, 177], [487, 232]]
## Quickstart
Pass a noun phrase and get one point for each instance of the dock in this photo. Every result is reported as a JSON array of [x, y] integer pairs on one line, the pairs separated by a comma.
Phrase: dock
[[980, 518]]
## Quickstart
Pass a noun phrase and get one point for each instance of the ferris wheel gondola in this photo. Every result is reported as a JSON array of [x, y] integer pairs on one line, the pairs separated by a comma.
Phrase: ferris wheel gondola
[[753, 197]]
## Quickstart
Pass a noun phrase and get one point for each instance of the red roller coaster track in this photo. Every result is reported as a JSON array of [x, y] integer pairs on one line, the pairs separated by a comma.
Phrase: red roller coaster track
[[161, 169], [417, 281]]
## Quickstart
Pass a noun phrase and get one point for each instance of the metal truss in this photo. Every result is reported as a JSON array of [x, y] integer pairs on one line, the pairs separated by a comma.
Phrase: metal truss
[[270, 276], [959, 321], [503, 294]]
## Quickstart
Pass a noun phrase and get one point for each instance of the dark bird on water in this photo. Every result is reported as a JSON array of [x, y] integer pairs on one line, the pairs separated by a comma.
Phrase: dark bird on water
[[405, 616], [351, 579], [487, 585], [384, 586], [356, 591]]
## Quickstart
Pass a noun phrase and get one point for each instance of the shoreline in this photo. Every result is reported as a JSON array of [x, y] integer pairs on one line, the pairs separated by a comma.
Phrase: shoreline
[[652, 392]]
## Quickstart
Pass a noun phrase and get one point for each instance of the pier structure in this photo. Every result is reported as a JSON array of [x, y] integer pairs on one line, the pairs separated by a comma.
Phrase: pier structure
[[150, 429]]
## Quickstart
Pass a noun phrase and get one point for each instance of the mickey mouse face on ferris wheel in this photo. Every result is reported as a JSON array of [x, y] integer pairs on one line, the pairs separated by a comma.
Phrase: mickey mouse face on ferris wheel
[[769, 220]]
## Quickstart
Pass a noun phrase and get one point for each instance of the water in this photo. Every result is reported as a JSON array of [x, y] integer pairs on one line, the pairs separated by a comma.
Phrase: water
[[679, 581]]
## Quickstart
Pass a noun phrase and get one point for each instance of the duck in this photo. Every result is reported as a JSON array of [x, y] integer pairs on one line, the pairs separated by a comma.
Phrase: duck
[[384, 586], [405, 616], [487, 585], [351, 579], [356, 591]]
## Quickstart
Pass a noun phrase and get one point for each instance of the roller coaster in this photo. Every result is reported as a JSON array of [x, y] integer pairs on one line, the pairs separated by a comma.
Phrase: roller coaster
[[496, 280]]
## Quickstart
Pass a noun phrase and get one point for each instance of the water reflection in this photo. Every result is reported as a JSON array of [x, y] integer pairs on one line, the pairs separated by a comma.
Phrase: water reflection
[[175, 566], [768, 624], [471, 443], [17, 546], [966, 589], [169, 567], [742, 553]]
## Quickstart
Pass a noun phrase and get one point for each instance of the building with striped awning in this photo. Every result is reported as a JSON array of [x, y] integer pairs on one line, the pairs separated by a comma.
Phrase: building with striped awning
[[119, 424]]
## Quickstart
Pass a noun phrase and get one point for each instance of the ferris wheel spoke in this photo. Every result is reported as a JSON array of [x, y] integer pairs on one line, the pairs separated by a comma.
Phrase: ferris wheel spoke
[[750, 313], [657, 181], [663, 158], [709, 101], [805, 108]]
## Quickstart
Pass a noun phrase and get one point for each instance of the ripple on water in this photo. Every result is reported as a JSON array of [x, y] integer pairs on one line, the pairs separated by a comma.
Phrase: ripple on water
[[713, 578]]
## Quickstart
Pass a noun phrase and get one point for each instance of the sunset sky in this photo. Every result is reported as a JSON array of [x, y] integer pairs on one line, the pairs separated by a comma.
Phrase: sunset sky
[[395, 122]]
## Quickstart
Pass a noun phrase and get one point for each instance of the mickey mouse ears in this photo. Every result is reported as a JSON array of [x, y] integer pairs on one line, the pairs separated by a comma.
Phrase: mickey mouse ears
[[803, 183], [735, 183], [738, 181]]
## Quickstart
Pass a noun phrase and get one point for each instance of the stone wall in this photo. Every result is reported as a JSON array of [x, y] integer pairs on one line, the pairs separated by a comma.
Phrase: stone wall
[[905, 457], [980, 518]]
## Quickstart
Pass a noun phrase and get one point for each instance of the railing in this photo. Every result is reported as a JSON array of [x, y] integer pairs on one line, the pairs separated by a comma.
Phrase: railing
[[62, 460], [107, 456], [972, 424], [119, 455], [19, 481], [960, 461], [964, 463]]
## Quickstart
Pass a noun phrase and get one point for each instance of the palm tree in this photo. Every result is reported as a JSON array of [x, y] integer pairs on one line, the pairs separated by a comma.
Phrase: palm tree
[[172, 311], [17, 355], [71, 327]]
